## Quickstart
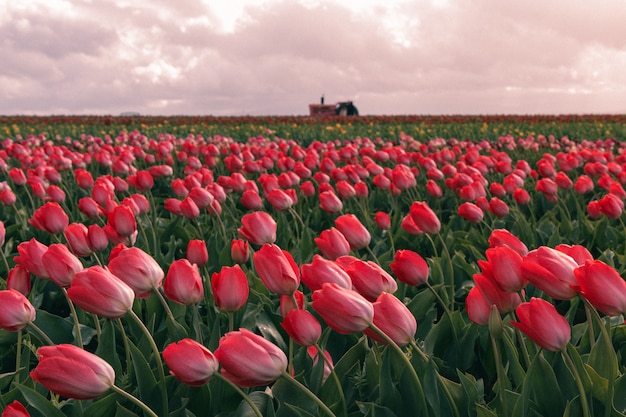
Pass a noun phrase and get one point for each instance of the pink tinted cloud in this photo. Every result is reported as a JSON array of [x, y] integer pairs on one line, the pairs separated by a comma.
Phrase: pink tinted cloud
[[455, 57]]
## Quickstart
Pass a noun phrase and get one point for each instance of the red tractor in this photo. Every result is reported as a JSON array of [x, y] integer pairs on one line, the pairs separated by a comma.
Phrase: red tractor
[[343, 108]]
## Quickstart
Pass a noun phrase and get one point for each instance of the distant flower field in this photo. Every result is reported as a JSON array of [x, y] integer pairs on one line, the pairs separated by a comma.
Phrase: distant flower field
[[298, 266]]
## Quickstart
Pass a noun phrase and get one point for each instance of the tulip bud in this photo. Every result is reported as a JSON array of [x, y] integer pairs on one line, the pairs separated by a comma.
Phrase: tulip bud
[[50, 218], [230, 288], [61, 264], [15, 409], [277, 269], [394, 319], [603, 286], [197, 252], [382, 220], [70, 371], [302, 327], [30, 254], [122, 220], [345, 311], [258, 227], [19, 279], [355, 233], [540, 321], [15, 310], [332, 243], [425, 218], [137, 269], [409, 267], [98, 291], [235, 351], [239, 251], [190, 362], [76, 235], [183, 283]]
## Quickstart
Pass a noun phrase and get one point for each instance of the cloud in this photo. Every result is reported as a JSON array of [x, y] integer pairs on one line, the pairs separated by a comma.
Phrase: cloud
[[405, 57]]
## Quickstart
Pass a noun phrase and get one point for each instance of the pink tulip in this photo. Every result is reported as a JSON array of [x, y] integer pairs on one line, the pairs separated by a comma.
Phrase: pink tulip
[[15, 310], [183, 283], [197, 252], [302, 327], [321, 270], [61, 264], [425, 218], [239, 251], [70, 371], [98, 291], [190, 362], [277, 269], [540, 321], [603, 286], [230, 288], [249, 360], [355, 233], [332, 243], [409, 267], [50, 218], [345, 311], [394, 319], [258, 228], [137, 269]]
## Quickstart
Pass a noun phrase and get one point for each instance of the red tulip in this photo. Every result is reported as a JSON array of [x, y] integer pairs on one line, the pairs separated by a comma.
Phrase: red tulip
[[370, 280], [122, 220], [98, 291], [197, 252], [98, 240], [498, 207], [579, 253], [230, 288], [183, 283], [345, 311], [425, 218], [50, 218], [294, 301], [137, 269], [521, 196], [409, 226], [279, 199], [19, 279], [493, 295], [15, 409], [61, 264], [502, 237], [249, 360], [382, 220], [239, 251], [470, 212], [30, 254], [76, 235], [70, 371], [409, 267], [329, 202], [540, 321], [394, 319], [332, 243], [551, 271], [583, 184], [478, 308], [603, 286], [190, 362], [277, 269], [302, 327], [258, 228], [89, 207], [505, 267], [189, 209], [251, 200], [355, 233], [17, 176], [611, 206], [321, 270], [15, 310]]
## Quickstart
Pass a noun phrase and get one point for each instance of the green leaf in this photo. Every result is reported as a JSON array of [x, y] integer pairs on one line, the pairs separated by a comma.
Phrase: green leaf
[[545, 387], [107, 347], [124, 412], [261, 399], [484, 411], [57, 328], [103, 407], [620, 394], [40, 402], [268, 329], [149, 391]]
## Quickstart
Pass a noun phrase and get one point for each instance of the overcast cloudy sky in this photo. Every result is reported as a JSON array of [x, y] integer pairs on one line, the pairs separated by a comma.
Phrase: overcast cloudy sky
[[264, 57]]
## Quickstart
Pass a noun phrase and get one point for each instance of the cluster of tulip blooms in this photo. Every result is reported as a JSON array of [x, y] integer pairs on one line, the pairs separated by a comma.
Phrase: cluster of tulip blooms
[[199, 257]]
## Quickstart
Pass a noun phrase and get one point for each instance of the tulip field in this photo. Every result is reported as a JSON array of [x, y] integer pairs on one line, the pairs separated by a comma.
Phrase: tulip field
[[463, 266]]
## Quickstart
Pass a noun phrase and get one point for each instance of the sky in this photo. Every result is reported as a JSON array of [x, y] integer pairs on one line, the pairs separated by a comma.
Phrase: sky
[[275, 57]]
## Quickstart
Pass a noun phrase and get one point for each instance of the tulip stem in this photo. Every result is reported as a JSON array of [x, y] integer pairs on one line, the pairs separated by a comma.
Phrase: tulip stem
[[501, 375], [308, 392], [439, 299], [18, 356], [125, 340], [592, 336], [157, 357], [134, 399], [579, 383], [409, 366], [245, 396], [79, 337], [445, 249], [371, 252], [170, 315], [41, 333], [327, 361]]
